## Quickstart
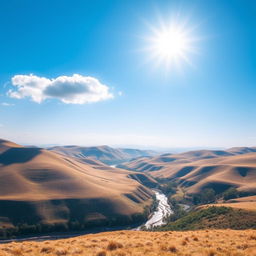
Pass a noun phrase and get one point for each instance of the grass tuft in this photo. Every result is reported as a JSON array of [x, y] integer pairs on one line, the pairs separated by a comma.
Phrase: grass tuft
[[114, 245], [172, 249], [46, 250], [101, 253]]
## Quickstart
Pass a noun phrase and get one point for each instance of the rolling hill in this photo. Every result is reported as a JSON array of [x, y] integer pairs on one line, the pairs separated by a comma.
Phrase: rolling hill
[[56, 189], [247, 203], [105, 154], [242, 150], [197, 170]]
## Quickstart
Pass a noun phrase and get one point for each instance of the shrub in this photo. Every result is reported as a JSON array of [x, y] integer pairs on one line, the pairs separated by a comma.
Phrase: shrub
[[61, 252], [46, 250], [230, 193], [184, 242], [178, 211], [192, 220], [172, 249], [211, 252], [17, 252], [101, 253], [169, 188], [207, 196], [114, 245]]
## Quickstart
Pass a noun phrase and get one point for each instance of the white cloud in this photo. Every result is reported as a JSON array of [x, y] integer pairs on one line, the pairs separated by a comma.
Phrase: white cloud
[[5, 104], [74, 89]]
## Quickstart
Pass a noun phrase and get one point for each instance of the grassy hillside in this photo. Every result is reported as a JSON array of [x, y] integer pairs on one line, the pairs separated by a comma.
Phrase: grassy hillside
[[198, 170], [132, 243], [105, 154], [39, 187], [214, 217], [242, 150], [245, 203]]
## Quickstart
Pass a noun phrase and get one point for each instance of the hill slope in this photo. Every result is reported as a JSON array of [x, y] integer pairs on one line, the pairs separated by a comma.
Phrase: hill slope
[[197, 170], [58, 189], [214, 217], [104, 154]]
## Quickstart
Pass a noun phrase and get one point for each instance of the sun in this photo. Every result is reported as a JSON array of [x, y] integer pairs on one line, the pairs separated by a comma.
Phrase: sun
[[171, 44]]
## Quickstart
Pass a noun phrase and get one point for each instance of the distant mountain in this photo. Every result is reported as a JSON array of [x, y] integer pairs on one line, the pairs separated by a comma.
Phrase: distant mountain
[[105, 154], [156, 163], [40, 187], [241, 150], [197, 170]]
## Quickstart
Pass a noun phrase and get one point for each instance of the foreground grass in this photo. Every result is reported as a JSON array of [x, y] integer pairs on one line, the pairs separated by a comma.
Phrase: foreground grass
[[132, 243]]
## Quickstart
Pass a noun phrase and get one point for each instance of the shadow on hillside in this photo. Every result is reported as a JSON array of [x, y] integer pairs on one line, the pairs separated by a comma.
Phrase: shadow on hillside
[[18, 218], [18, 155]]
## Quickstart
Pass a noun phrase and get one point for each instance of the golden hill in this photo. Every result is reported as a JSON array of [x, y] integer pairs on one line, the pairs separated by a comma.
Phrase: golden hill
[[39, 186], [104, 154], [248, 206], [247, 203], [197, 170], [132, 243]]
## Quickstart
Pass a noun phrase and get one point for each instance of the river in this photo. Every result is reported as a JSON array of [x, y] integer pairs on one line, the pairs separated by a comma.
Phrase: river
[[163, 210]]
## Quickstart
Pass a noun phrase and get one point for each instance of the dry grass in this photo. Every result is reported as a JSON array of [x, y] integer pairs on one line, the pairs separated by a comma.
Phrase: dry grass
[[203, 168], [251, 206], [132, 243], [243, 199]]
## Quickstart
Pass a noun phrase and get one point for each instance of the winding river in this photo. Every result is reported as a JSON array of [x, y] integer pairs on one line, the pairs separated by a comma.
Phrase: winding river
[[163, 210]]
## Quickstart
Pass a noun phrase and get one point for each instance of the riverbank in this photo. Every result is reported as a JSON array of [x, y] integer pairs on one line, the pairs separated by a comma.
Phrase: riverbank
[[163, 210]]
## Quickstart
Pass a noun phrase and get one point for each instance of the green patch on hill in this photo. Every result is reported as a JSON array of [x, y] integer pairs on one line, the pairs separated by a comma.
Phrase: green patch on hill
[[214, 218]]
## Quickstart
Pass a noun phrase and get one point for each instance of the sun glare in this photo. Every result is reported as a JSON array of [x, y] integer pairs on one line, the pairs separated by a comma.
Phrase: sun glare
[[171, 45]]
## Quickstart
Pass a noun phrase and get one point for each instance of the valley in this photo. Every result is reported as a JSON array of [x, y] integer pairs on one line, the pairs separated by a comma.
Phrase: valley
[[162, 211], [127, 128], [63, 194], [69, 194], [197, 171], [104, 154]]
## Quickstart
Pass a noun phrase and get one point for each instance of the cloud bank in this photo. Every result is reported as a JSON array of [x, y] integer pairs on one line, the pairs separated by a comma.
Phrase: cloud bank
[[76, 89]]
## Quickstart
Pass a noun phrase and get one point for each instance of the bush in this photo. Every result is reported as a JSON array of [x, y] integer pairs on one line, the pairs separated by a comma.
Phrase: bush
[[169, 188], [102, 253], [178, 211], [190, 220], [207, 196], [114, 245], [214, 217], [230, 194]]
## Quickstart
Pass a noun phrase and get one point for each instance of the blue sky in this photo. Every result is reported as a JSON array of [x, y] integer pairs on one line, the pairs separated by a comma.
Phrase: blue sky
[[208, 103]]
